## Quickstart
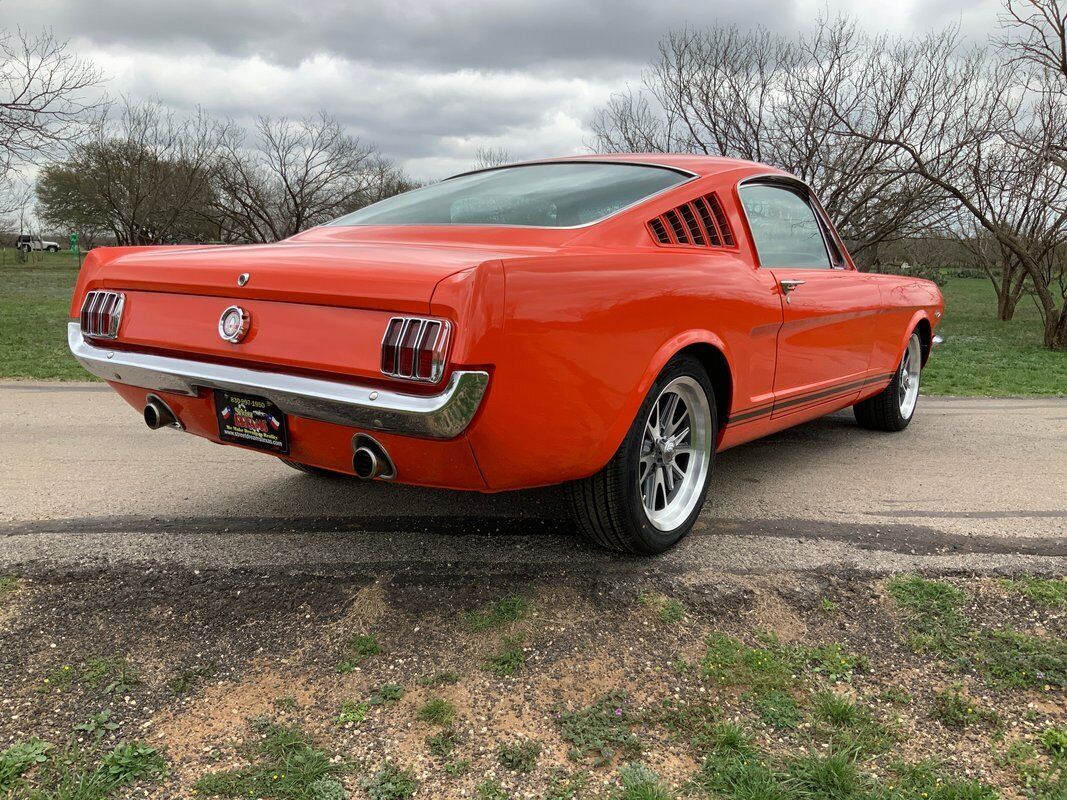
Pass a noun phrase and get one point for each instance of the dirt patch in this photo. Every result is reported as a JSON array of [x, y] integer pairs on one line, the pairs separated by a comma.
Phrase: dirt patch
[[220, 714], [771, 614], [213, 652]]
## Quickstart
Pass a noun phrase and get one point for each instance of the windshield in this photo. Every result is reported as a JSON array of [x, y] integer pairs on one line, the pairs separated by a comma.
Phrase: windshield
[[558, 195]]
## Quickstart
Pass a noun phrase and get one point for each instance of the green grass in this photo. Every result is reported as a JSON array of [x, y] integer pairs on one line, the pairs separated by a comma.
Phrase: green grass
[[76, 772], [849, 726], [504, 611], [696, 722], [1043, 779], [835, 709], [1051, 592], [833, 775], [777, 709], [456, 768], [491, 790], [601, 730], [566, 786], [113, 675], [359, 649], [445, 678], [519, 756], [954, 709], [739, 771], [667, 609], [390, 783], [508, 659], [935, 621], [983, 356], [34, 306], [188, 679], [443, 744], [352, 712], [437, 711], [937, 625], [8, 584], [18, 759], [287, 765], [775, 665], [641, 783]]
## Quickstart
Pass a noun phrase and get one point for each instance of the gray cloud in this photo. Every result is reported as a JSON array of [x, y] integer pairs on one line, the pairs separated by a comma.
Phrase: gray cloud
[[429, 81], [441, 34]]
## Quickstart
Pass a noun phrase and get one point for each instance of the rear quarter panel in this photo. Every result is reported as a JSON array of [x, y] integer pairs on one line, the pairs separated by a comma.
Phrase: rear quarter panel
[[583, 338]]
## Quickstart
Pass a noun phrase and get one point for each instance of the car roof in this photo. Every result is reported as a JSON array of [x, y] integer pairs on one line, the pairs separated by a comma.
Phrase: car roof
[[699, 165]]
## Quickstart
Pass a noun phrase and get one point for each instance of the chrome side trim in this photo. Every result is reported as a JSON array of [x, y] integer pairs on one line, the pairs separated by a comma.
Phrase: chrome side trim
[[633, 162], [438, 416]]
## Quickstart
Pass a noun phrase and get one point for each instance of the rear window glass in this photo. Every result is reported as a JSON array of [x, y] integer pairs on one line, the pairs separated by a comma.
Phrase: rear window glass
[[558, 195]]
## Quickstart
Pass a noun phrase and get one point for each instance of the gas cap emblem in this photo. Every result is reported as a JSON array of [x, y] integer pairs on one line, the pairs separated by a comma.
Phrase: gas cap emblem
[[234, 323]]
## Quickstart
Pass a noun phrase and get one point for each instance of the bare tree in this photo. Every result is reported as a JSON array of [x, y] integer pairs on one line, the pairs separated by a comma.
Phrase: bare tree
[[487, 157], [17, 206], [756, 95], [145, 176], [46, 96], [1036, 34], [291, 175], [956, 118]]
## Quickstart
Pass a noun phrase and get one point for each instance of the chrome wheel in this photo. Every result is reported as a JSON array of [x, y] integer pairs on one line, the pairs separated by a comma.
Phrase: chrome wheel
[[908, 377], [675, 453]]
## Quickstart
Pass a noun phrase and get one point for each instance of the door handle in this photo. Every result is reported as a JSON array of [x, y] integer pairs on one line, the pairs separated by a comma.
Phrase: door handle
[[788, 285]]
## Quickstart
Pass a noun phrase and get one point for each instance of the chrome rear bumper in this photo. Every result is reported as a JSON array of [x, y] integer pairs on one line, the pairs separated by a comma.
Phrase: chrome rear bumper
[[439, 416]]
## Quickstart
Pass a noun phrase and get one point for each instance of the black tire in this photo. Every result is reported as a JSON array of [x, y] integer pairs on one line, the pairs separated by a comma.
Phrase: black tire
[[310, 470], [882, 412], [608, 507], [52, 249]]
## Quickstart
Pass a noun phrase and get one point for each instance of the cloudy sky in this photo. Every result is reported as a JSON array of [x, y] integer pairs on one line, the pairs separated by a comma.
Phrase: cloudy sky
[[429, 81]]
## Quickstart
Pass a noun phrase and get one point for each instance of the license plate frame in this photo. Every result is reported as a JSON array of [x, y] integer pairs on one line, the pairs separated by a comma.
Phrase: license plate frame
[[251, 421]]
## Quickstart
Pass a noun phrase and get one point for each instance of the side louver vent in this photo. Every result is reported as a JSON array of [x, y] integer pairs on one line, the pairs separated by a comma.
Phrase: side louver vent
[[699, 223]]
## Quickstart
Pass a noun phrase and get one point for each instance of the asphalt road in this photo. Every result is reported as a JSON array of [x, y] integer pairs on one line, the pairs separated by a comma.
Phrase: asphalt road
[[974, 485]]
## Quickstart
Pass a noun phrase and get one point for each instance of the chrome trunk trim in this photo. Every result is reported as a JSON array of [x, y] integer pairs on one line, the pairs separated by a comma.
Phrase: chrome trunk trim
[[438, 416]]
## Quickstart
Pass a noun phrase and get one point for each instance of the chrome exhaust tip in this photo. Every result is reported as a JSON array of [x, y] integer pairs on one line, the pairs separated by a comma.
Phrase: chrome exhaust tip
[[366, 464], [370, 460], [157, 415]]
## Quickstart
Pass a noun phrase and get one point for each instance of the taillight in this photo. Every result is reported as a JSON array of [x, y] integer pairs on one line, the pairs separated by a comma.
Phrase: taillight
[[102, 313], [415, 348]]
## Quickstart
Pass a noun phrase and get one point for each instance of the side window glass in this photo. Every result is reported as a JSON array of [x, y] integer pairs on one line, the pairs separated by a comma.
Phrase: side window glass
[[784, 228]]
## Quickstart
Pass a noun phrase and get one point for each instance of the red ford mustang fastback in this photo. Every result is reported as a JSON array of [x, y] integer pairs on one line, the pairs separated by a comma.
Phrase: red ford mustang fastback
[[610, 321]]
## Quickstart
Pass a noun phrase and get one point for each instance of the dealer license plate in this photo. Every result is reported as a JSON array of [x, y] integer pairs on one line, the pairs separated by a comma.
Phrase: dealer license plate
[[251, 421]]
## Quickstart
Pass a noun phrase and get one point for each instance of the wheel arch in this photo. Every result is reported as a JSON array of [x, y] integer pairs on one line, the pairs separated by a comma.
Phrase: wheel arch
[[919, 323], [926, 335], [722, 381], [711, 351]]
